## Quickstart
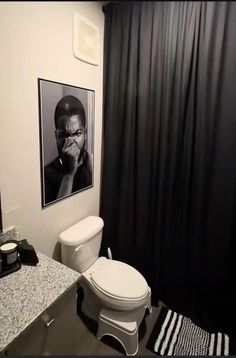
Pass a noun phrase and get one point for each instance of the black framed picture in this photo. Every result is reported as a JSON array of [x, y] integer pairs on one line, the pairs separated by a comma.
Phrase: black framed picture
[[66, 116]]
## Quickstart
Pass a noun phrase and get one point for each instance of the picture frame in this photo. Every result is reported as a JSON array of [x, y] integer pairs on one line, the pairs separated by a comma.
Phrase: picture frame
[[66, 126]]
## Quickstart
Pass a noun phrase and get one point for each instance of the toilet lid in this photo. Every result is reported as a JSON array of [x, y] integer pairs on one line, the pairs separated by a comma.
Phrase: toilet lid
[[119, 280]]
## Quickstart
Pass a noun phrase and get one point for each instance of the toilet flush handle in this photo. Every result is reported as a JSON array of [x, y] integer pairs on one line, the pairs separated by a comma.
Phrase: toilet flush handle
[[78, 247]]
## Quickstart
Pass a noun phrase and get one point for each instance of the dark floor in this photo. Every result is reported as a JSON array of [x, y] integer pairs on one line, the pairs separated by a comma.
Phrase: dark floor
[[89, 345]]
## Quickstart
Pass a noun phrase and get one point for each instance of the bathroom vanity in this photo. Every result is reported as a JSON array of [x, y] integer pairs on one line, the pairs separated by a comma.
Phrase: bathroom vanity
[[38, 310]]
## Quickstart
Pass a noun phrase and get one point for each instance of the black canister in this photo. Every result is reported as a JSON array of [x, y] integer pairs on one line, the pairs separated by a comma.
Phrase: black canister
[[9, 252]]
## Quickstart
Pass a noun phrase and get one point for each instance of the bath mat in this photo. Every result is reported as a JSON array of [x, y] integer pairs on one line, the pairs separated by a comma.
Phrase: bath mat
[[174, 334]]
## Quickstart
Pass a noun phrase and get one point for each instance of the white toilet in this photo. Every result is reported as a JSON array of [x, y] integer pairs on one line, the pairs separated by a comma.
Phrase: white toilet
[[115, 294]]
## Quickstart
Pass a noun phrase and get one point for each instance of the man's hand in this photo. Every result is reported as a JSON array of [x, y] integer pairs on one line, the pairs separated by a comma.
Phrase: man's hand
[[69, 156]]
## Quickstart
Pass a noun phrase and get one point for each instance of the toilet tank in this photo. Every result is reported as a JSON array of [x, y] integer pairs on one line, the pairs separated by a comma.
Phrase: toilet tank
[[80, 243]]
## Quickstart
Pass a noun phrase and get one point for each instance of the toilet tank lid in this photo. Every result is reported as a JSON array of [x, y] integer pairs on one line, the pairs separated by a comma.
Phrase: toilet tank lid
[[81, 231]]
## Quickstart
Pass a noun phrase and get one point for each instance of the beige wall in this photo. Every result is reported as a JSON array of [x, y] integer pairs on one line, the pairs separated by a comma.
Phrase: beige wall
[[36, 42]]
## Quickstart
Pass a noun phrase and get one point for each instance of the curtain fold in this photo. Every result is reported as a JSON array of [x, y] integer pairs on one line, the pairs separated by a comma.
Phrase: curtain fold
[[169, 173]]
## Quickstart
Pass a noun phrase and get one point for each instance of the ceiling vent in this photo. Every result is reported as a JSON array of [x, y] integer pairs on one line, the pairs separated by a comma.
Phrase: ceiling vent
[[86, 40]]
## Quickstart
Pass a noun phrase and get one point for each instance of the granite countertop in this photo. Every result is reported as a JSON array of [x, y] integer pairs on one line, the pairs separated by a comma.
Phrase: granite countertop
[[25, 294]]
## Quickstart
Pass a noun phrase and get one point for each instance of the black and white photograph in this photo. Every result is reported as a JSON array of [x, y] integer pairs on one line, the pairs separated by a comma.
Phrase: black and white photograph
[[66, 115]]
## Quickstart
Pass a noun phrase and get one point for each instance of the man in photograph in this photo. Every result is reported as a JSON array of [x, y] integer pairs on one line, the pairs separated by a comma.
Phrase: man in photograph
[[71, 170]]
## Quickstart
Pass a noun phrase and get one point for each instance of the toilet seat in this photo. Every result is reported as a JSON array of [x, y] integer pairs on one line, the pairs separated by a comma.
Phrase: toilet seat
[[119, 280], [106, 277]]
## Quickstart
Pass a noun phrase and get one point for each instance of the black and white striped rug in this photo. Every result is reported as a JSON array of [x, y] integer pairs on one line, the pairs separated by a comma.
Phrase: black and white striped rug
[[174, 334]]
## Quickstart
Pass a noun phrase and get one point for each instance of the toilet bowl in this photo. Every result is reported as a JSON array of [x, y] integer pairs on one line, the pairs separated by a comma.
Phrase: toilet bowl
[[117, 284], [109, 286]]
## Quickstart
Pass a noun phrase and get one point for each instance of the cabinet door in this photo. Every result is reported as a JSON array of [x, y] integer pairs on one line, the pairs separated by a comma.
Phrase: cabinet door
[[54, 332], [63, 326]]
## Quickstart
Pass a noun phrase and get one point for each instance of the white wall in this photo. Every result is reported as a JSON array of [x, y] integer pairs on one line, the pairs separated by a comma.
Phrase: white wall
[[36, 42]]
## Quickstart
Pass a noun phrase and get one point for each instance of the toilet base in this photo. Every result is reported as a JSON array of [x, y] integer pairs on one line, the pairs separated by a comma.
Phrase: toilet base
[[122, 325], [92, 305]]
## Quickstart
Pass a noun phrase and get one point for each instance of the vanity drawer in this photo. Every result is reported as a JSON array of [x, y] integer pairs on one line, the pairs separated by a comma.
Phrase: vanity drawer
[[54, 332], [60, 305]]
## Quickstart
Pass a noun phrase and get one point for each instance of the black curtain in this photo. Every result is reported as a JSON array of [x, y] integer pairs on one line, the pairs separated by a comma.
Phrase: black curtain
[[169, 152]]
